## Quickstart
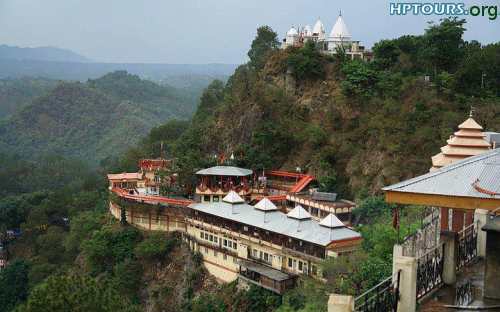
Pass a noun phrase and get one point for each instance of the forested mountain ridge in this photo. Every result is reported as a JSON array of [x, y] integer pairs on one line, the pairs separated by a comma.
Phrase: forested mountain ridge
[[92, 120]]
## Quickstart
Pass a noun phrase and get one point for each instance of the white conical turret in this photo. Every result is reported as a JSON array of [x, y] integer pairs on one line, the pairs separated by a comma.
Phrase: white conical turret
[[319, 28], [233, 198], [299, 213], [339, 31], [292, 32], [331, 221], [265, 205]]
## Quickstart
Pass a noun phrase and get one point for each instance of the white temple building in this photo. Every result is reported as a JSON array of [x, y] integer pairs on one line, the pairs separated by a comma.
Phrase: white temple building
[[338, 38]]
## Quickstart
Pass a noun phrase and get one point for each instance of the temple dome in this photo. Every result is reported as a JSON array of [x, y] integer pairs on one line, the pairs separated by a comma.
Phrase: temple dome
[[339, 30], [292, 32], [468, 141], [318, 28]]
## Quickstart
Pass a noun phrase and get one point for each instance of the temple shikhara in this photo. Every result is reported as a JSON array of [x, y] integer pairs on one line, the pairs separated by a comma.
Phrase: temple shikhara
[[264, 228], [338, 38]]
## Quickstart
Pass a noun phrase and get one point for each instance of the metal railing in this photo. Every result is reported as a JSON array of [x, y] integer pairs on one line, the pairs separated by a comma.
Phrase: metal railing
[[467, 246], [383, 297], [430, 271], [464, 294]]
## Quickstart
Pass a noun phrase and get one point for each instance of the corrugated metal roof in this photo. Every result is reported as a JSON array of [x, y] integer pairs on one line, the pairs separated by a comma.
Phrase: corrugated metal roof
[[277, 222], [225, 171], [462, 178]]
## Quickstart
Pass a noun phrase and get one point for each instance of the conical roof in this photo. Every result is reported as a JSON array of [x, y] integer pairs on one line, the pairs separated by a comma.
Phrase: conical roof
[[307, 30], [470, 124], [467, 141], [318, 28], [299, 213], [233, 198], [331, 221], [339, 30], [266, 205]]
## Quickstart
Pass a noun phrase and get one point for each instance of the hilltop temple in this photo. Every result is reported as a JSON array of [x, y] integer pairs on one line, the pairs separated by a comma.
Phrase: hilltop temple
[[338, 38]]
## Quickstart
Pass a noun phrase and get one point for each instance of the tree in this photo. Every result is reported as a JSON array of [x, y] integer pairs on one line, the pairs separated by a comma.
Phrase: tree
[[155, 247], [443, 44], [13, 285], [76, 293], [306, 62], [265, 42]]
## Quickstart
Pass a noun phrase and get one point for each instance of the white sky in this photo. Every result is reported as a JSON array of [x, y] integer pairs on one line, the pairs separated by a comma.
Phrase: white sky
[[197, 31]]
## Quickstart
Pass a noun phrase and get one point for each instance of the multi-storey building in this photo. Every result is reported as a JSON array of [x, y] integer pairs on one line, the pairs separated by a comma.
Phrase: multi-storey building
[[241, 233]]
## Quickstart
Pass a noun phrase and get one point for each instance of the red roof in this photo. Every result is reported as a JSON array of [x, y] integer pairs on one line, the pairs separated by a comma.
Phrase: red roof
[[153, 164]]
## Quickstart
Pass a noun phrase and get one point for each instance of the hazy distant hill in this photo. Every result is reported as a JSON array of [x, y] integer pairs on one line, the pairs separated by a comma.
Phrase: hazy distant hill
[[40, 54], [173, 74], [93, 120]]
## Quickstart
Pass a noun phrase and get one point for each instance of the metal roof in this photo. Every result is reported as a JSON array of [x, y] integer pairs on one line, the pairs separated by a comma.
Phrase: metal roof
[[225, 171], [272, 273], [233, 198], [277, 222], [477, 176]]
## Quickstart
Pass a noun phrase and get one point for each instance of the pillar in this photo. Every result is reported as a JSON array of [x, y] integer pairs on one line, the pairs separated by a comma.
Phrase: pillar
[[444, 219], [481, 217], [492, 260], [340, 303], [449, 257], [458, 221], [407, 283]]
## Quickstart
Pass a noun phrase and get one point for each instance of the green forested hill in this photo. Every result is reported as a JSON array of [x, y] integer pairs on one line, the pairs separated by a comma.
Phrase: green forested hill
[[18, 93], [357, 126], [92, 120]]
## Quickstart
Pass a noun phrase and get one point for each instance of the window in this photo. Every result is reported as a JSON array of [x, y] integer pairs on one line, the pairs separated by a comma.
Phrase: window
[[225, 242], [206, 198], [206, 236], [225, 257], [245, 228], [260, 255], [234, 245], [300, 265], [289, 262], [216, 240], [215, 199], [215, 253], [201, 235], [255, 253], [266, 257], [211, 238]]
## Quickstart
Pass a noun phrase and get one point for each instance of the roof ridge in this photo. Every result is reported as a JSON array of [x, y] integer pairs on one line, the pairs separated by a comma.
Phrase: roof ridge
[[442, 170]]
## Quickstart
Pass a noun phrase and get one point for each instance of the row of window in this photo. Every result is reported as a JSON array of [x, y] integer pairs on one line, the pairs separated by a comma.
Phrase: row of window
[[206, 251], [211, 198], [301, 266], [264, 256], [227, 243]]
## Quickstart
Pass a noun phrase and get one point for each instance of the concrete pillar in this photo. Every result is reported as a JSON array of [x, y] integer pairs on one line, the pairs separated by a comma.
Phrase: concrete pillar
[[450, 258], [397, 251], [481, 217], [492, 263], [340, 303], [407, 283]]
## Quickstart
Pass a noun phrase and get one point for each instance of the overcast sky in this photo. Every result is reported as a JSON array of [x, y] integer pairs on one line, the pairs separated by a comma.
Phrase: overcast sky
[[197, 31]]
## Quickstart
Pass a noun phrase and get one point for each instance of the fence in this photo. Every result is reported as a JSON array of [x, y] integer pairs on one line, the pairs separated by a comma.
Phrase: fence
[[467, 246], [383, 297], [430, 271]]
